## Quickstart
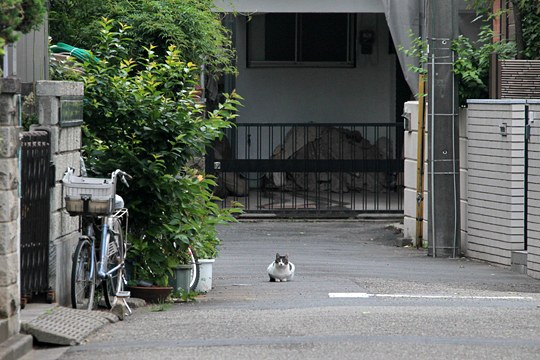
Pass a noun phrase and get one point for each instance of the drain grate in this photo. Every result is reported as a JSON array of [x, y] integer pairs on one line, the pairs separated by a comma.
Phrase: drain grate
[[66, 326]]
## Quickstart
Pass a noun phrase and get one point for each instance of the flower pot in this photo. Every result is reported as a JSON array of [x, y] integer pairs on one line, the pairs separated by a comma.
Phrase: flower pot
[[150, 294], [181, 278], [205, 275]]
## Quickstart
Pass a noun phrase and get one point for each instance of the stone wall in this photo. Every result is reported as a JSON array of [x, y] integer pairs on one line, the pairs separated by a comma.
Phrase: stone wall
[[65, 143], [9, 209], [65, 151]]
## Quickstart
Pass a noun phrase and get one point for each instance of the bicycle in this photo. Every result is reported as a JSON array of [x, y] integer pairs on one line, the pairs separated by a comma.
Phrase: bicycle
[[99, 258]]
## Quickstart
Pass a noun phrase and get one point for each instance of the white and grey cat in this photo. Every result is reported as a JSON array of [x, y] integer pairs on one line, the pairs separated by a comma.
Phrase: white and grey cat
[[281, 269]]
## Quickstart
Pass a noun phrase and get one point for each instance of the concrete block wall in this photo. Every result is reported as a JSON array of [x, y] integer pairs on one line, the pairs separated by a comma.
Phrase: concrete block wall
[[410, 170], [65, 152], [533, 205], [9, 210], [410, 173], [495, 189]]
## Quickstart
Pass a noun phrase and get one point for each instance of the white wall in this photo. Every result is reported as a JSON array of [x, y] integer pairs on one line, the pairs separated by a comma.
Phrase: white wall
[[362, 94], [410, 173], [533, 225], [495, 216], [492, 181], [463, 179]]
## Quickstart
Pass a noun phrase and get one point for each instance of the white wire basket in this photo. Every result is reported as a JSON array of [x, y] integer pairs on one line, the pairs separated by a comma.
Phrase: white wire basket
[[98, 193]]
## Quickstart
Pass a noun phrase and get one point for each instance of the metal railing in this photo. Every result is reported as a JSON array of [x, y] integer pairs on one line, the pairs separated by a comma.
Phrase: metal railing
[[314, 168]]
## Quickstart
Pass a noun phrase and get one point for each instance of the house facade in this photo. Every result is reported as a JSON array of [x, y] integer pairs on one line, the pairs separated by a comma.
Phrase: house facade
[[313, 74], [325, 75], [317, 61]]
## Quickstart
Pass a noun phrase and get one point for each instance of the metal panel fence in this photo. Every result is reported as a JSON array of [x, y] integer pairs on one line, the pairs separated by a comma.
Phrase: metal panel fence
[[300, 168]]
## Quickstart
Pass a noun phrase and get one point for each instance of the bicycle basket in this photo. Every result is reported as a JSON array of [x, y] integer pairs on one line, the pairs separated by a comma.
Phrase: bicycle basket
[[98, 193]]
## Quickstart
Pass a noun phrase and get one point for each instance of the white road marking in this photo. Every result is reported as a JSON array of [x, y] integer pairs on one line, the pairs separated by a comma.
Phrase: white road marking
[[419, 296], [350, 295]]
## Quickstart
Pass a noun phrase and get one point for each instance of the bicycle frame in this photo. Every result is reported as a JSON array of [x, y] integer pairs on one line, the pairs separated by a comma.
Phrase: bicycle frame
[[104, 243], [103, 261], [90, 236], [102, 274]]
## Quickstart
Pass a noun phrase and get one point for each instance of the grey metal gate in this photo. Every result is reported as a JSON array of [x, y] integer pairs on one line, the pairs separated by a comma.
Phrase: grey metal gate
[[35, 212], [311, 169]]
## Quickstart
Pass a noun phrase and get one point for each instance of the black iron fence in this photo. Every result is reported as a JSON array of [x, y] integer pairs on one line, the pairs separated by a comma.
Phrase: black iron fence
[[35, 212], [313, 168]]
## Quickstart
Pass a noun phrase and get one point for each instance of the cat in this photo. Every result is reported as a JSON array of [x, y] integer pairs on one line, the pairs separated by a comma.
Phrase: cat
[[281, 269]]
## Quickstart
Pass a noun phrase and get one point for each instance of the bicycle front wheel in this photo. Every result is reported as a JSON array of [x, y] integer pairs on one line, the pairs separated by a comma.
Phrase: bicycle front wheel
[[115, 258], [83, 276]]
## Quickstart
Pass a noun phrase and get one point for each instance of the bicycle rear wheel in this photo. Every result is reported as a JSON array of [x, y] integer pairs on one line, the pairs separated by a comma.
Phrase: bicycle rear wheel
[[195, 273], [83, 276], [115, 257]]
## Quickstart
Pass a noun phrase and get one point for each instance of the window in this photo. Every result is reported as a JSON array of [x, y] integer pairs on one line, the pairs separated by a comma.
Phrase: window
[[301, 40]]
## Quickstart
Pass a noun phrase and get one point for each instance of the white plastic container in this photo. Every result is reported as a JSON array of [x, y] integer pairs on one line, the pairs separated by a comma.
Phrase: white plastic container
[[205, 275]]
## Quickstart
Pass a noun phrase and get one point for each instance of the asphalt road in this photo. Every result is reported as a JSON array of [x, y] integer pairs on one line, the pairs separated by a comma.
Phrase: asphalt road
[[355, 295]]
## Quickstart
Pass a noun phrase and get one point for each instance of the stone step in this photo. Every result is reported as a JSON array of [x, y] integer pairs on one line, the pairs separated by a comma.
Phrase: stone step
[[15, 347], [66, 326], [4, 330]]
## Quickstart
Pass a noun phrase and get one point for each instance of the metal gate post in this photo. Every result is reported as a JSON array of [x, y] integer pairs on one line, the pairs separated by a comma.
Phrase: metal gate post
[[526, 176], [35, 213]]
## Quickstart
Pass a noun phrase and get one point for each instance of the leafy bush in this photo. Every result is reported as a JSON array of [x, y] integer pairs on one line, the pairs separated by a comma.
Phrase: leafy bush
[[190, 25], [76, 22], [473, 60], [418, 50], [531, 29], [145, 117], [19, 16]]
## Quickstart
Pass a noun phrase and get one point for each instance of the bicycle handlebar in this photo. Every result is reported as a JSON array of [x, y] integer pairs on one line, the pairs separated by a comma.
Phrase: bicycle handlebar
[[123, 176]]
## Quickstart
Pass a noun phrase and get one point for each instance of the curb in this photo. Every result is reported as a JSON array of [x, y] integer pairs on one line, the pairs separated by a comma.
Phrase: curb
[[15, 347]]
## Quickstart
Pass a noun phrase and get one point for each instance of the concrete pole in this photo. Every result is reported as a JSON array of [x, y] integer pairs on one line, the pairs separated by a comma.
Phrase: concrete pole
[[443, 131]]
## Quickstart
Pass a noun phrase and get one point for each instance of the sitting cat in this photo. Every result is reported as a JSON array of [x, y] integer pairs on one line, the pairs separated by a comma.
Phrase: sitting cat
[[281, 269]]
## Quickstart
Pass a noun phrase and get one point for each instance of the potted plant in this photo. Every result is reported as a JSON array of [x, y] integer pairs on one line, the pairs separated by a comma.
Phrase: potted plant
[[160, 254], [181, 276], [196, 225], [149, 270], [206, 247]]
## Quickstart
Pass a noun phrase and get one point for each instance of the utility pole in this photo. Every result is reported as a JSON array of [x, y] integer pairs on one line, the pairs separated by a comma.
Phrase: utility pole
[[443, 131]]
